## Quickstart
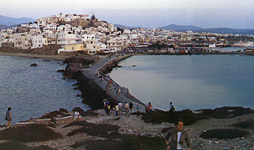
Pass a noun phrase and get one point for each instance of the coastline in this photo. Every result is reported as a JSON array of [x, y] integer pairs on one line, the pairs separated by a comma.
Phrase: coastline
[[55, 57], [87, 78], [146, 125]]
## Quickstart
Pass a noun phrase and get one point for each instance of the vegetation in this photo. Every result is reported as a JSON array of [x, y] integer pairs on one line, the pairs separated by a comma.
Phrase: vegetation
[[16, 145], [223, 134], [114, 140], [189, 117], [249, 124], [29, 133]]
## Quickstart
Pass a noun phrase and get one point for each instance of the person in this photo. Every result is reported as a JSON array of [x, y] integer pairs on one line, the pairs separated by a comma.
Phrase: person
[[8, 117], [149, 107], [52, 122], [118, 91], [100, 78], [116, 109], [109, 103], [171, 107], [76, 115], [131, 106], [126, 106], [120, 106], [138, 108], [176, 137]]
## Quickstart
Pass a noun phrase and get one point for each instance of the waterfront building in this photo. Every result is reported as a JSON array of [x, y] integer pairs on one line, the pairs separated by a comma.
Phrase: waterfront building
[[92, 46], [37, 41]]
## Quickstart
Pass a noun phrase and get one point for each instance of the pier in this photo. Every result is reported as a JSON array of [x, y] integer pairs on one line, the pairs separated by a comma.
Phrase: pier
[[124, 95]]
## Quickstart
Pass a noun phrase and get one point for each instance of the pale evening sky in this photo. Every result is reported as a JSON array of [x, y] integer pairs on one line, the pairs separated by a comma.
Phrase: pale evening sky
[[143, 13]]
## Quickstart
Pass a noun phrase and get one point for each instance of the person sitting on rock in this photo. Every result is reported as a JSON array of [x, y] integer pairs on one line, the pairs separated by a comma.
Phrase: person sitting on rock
[[52, 122], [76, 115]]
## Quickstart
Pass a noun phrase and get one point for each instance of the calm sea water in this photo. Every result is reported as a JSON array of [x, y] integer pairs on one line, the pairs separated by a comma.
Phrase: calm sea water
[[190, 82], [33, 91], [230, 49]]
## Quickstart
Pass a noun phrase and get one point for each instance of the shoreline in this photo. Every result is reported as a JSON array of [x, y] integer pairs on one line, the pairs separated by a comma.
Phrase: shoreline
[[102, 68], [149, 125], [55, 57]]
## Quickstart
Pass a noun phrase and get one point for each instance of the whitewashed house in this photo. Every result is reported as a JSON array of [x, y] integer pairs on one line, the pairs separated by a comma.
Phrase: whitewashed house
[[37, 41], [92, 46], [86, 37], [114, 45], [22, 41], [66, 38]]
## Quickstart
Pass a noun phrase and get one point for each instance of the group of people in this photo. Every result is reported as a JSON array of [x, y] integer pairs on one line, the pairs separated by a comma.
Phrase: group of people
[[118, 107], [149, 107]]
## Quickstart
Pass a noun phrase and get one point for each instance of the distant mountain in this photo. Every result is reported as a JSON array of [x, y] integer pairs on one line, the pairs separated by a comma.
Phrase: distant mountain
[[2, 26], [124, 27], [120, 26], [9, 21], [183, 28], [229, 30]]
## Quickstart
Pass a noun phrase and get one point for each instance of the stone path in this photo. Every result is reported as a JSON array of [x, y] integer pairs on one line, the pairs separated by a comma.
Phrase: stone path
[[124, 95]]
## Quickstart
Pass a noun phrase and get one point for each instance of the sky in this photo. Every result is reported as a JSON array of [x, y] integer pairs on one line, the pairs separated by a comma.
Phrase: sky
[[142, 13]]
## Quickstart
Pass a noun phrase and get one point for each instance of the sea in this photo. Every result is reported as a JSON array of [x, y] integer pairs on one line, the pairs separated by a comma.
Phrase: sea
[[34, 91], [190, 81]]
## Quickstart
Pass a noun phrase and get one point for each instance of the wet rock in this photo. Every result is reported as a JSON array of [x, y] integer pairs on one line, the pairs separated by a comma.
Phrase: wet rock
[[33, 65], [60, 70]]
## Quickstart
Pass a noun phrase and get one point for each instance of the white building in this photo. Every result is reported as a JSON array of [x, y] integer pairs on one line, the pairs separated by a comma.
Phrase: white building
[[37, 41], [22, 41], [86, 37], [114, 45], [92, 47], [66, 38]]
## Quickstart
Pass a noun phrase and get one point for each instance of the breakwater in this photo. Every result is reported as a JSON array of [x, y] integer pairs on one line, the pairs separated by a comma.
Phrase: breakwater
[[93, 87]]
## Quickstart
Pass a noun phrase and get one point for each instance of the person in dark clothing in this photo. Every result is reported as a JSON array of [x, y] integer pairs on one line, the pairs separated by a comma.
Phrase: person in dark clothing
[[176, 137], [171, 107], [8, 117], [131, 106]]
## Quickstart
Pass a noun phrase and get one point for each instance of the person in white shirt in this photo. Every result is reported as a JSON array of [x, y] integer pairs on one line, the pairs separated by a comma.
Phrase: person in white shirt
[[176, 137]]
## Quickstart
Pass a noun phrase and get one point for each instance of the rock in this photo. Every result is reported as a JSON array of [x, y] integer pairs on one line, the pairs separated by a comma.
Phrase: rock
[[33, 65], [60, 70], [72, 70]]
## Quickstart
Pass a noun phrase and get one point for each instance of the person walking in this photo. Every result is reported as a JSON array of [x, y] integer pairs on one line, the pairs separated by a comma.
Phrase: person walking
[[171, 107], [120, 106], [131, 106], [176, 137], [149, 107], [126, 106], [8, 117]]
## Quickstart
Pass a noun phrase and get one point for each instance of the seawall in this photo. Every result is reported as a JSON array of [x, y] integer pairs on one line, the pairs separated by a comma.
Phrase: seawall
[[96, 85]]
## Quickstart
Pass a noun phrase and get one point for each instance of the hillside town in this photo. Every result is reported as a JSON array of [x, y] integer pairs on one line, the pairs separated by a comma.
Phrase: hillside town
[[72, 32]]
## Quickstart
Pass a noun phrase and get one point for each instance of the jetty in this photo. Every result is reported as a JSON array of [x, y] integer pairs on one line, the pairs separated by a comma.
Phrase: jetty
[[102, 80]]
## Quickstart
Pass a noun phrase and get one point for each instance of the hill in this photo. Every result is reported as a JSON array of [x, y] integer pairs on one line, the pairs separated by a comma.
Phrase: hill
[[9, 21], [2, 26], [184, 28]]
